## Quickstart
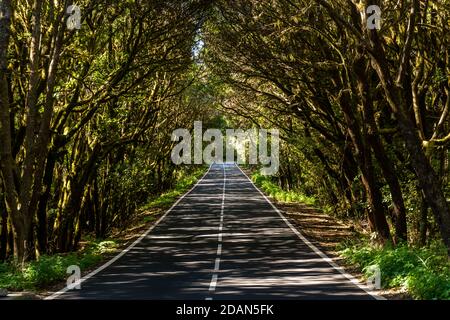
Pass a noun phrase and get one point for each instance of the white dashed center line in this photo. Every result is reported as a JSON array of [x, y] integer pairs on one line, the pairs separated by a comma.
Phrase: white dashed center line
[[213, 284]]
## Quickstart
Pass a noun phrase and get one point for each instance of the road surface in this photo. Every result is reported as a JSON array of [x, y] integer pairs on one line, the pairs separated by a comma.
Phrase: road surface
[[222, 240]]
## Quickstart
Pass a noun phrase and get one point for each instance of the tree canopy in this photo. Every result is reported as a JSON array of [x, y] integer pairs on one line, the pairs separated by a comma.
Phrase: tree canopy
[[86, 115]]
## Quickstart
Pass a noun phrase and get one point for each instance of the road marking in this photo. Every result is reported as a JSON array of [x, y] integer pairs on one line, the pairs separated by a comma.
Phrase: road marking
[[110, 262], [314, 248], [213, 284]]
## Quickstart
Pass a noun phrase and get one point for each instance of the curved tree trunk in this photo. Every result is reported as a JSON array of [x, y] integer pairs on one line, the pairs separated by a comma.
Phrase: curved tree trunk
[[386, 165]]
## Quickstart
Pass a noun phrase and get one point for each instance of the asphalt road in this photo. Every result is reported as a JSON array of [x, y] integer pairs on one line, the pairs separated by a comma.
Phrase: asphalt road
[[223, 240]]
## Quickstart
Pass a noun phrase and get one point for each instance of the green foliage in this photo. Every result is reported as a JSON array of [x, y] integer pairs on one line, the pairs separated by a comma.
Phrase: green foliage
[[185, 181], [423, 271], [122, 88], [149, 218], [273, 190], [48, 270], [296, 85]]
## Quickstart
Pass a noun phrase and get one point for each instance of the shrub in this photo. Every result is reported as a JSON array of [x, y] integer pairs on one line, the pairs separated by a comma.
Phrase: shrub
[[423, 271], [266, 184], [185, 182], [51, 269]]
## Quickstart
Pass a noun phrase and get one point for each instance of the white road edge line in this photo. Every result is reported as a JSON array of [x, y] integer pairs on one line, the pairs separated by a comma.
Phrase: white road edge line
[[123, 252], [213, 284], [315, 249]]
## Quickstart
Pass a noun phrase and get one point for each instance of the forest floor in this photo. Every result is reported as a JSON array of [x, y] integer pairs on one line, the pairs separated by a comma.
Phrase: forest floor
[[327, 233]]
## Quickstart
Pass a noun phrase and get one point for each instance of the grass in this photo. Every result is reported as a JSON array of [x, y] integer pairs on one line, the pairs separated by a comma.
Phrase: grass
[[266, 184], [48, 270], [185, 182], [424, 272]]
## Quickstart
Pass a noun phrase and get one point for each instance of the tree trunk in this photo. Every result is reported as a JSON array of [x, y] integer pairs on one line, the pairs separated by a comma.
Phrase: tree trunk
[[42, 221], [377, 217], [7, 163], [423, 222], [3, 228], [428, 180], [386, 165]]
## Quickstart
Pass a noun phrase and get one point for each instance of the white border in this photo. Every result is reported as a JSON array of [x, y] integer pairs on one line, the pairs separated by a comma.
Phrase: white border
[[107, 264], [315, 249]]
